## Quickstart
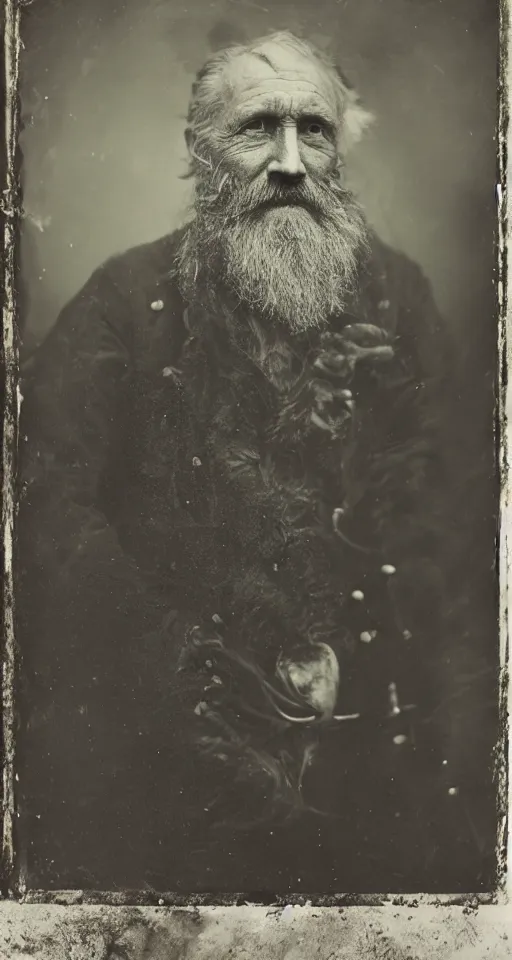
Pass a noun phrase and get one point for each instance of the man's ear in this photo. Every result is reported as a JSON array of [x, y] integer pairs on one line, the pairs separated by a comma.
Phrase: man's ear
[[189, 140]]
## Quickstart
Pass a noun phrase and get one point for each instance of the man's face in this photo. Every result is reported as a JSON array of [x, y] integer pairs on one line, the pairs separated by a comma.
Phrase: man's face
[[279, 123], [274, 225]]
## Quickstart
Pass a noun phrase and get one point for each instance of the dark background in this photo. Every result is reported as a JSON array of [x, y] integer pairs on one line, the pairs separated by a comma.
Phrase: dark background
[[105, 87]]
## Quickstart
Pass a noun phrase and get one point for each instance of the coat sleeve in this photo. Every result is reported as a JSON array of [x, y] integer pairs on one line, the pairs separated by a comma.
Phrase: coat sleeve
[[88, 617], [410, 486], [70, 415]]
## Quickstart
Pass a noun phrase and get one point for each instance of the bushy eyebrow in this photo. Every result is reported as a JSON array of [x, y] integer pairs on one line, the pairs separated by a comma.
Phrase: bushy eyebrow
[[274, 108]]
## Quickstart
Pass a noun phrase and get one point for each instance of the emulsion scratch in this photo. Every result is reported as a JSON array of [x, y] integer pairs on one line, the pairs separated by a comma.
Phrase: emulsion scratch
[[504, 401], [10, 418]]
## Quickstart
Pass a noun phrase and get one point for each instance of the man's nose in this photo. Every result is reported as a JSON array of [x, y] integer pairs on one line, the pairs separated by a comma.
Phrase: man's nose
[[287, 162]]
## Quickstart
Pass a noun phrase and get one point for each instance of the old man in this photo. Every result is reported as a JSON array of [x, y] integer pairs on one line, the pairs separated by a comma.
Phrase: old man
[[229, 528]]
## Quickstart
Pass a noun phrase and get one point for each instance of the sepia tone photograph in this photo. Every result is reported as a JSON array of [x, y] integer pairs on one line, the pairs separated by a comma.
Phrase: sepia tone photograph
[[255, 569]]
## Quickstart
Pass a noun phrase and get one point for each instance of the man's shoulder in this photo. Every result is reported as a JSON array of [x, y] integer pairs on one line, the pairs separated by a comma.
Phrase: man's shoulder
[[399, 269], [144, 264], [128, 290]]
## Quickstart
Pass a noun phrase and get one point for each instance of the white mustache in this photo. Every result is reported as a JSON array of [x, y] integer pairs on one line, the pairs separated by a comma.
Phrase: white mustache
[[316, 195]]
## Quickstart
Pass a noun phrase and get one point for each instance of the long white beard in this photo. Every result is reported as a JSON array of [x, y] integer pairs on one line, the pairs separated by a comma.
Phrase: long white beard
[[295, 265]]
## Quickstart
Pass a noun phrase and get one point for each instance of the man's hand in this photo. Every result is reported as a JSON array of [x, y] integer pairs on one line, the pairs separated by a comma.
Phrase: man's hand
[[356, 343]]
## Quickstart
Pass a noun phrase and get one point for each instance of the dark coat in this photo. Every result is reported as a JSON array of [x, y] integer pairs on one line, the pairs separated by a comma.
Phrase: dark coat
[[146, 511]]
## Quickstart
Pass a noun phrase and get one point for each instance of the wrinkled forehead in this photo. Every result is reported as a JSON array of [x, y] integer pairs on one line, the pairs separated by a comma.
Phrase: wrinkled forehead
[[276, 73]]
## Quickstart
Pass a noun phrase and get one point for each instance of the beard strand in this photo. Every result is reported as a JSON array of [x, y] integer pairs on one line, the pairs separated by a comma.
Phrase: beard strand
[[294, 264]]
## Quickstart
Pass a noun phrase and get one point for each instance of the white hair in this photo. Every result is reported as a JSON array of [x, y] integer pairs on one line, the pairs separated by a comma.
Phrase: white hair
[[354, 117]]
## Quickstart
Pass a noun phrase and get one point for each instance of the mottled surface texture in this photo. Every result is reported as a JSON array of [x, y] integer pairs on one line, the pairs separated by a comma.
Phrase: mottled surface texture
[[294, 933], [104, 88], [76, 189], [95, 933]]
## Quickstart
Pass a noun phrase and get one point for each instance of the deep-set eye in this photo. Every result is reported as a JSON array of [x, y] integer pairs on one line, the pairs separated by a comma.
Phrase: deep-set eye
[[315, 128], [257, 125]]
